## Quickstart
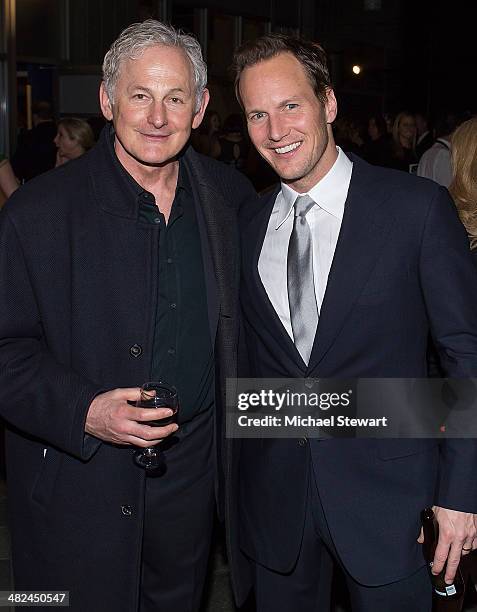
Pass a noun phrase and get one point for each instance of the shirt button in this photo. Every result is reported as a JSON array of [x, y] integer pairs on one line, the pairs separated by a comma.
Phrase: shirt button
[[172, 351], [157, 220], [169, 260], [135, 350], [173, 305], [126, 510], [302, 441]]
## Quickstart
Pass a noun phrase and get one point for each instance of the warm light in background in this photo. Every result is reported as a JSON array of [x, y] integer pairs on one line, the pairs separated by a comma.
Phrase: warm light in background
[[356, 69]]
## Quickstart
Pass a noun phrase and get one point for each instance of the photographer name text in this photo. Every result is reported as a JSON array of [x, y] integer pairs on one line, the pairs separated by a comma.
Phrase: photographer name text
[[309, 421]]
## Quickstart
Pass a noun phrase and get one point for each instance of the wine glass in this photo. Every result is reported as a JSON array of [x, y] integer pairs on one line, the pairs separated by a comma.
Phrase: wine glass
[[156, 395]]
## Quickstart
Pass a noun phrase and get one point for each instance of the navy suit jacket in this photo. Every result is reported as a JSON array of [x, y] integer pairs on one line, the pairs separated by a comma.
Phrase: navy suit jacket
[[401, 270]]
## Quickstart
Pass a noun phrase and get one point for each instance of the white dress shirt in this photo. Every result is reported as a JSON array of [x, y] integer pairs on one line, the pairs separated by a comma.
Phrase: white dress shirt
[[324, 220], [435, 163]]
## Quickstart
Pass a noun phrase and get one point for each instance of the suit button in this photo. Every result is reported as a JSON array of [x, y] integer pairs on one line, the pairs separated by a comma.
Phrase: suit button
[[309, 383], [126, 510], [135, 350], [302, 441]]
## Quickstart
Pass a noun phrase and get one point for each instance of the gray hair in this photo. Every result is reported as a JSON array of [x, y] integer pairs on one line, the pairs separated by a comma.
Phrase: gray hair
[[137, 37]]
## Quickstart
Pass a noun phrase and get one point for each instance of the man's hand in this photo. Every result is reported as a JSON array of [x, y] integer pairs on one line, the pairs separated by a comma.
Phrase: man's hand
[[112, 419], [457, 537]]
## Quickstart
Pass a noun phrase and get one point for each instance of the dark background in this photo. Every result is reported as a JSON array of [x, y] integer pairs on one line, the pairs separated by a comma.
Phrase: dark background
[[414, 55]]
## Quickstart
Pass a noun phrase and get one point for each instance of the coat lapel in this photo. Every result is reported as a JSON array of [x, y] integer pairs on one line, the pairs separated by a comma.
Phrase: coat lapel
[[219, 237], [366, 223]]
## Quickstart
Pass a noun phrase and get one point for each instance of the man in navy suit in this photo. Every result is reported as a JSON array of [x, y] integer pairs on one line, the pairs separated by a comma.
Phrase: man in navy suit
[[387, 262]]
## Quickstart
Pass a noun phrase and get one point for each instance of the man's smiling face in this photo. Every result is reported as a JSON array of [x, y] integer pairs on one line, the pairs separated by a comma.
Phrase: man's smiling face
[[154, 106], [287, 123]]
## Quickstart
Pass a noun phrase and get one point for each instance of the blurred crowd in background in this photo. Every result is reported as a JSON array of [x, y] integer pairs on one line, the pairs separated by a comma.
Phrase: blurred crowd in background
[[443, 149]]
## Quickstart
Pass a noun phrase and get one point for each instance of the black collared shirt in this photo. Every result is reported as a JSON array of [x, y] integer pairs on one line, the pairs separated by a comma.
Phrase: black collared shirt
[[182, 354]]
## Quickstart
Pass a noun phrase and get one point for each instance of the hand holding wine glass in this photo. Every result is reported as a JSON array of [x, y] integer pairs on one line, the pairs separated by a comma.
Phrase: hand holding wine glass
[[156, 396], [112, 419]]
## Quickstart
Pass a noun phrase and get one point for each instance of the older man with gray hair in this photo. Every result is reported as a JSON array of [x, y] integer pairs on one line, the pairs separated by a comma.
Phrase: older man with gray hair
[[119, 268]]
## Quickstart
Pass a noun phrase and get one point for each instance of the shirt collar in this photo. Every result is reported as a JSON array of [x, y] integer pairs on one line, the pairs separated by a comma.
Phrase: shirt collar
[[330, 193]]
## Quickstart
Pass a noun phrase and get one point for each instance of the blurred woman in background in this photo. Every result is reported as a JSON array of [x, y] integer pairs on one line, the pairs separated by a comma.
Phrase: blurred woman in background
[[463, 187], [74, 137], [403, 155]]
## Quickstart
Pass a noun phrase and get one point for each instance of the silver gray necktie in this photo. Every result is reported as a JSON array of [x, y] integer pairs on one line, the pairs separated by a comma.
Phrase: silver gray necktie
[[300, 281]]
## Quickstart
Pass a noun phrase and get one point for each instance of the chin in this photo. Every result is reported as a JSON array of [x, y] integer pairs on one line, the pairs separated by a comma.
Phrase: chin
[[290, 174], [150, 158]]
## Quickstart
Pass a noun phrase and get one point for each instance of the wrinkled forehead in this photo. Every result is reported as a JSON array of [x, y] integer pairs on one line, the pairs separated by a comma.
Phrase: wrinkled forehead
[[168, 59]]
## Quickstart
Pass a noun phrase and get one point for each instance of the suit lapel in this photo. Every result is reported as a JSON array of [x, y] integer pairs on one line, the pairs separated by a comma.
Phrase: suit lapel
[[366, 223]]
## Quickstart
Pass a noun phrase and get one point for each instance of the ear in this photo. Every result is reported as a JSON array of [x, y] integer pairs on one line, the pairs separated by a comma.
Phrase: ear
[[197, 120], [331, 106], [104, 102]]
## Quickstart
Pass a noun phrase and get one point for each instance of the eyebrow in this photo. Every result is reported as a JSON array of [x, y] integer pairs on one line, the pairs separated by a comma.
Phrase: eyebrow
[[291, 100], [140, 87], [280, 104], [150, 91], [178, 90]]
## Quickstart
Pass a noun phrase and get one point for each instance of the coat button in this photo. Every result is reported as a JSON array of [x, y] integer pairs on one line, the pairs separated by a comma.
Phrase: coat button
[[135, 350], [126, 510], [302, 441]]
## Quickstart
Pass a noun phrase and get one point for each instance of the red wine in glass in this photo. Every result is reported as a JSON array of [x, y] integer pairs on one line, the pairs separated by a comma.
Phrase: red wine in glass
[[156, 395]]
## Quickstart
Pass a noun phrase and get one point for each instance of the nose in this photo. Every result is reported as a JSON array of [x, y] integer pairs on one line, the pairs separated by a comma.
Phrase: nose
[[277, 128], [55, 140], [158, 115]]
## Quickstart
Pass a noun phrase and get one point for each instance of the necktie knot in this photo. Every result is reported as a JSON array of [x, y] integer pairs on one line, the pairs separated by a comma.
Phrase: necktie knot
[[303, 204]]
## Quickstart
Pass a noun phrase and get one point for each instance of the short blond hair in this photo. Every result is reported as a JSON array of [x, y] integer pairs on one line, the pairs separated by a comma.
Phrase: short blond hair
[[79, 130], [310, 54]]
